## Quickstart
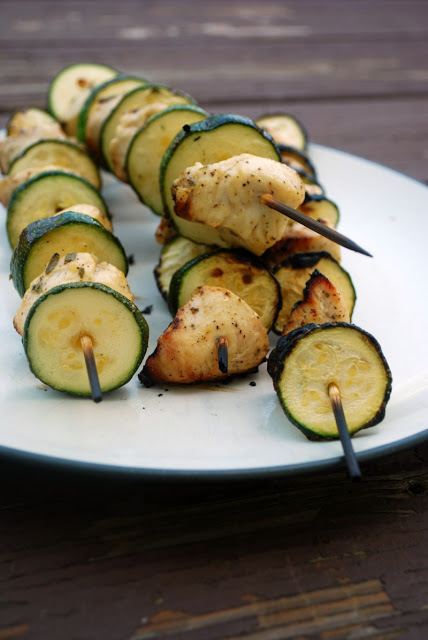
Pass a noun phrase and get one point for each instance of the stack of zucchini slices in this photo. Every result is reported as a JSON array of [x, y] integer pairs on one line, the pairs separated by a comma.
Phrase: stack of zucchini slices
[[147, 135], [67, 265]]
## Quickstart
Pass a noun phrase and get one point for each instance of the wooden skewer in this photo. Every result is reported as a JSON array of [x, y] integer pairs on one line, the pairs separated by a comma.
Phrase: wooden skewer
[[348, 449], [223, 355], [91, 368], [298, 216]]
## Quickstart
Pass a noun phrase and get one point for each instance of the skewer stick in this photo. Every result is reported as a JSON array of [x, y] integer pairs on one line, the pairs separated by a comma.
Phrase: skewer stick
[[348, 449], [297, 216], [91, 368], [223, 355]]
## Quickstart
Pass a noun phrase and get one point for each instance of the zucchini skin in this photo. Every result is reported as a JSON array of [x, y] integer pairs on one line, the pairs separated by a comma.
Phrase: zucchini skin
[[144, 329], [209, 124], [240, 255], [285, 347], [37, 229]]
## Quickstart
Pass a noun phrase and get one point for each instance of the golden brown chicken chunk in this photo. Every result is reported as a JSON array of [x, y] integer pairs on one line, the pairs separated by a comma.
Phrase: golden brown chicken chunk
[[187, 351], [226, 196]]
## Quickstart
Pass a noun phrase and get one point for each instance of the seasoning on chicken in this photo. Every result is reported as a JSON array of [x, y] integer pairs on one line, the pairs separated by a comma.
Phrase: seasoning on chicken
[[74, 267], [226, 196], [187, 352]]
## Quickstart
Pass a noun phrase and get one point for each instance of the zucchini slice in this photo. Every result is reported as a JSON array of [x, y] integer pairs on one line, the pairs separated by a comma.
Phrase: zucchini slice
[[307, 360], [209, 141], [174, 255], [239, 272], [319, 207], [60, 317], [148, 146], [70, 87], [61, 153], [293, 274], [187, 351], [136, 99], [45, 195], [297, 160], [99, 103], [26, 120], [285, 129], [62, 234]]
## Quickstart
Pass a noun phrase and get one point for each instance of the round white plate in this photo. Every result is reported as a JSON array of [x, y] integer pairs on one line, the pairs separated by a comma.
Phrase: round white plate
[[238, 428]]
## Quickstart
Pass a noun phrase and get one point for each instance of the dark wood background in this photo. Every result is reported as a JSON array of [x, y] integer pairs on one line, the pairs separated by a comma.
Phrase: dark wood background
[[89, 556]]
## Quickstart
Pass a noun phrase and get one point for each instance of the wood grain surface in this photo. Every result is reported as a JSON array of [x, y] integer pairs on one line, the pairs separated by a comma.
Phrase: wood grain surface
[[93, 556]]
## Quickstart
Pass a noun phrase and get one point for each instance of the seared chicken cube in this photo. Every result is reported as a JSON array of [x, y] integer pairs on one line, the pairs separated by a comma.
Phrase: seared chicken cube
[[321, 303], [187, 351], [226, 196]]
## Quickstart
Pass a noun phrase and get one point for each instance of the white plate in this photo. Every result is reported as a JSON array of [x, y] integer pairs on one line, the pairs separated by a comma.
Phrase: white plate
[[239, 428]]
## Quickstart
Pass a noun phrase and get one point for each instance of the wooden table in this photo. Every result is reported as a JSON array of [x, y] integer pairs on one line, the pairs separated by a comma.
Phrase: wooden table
[[86, 555]]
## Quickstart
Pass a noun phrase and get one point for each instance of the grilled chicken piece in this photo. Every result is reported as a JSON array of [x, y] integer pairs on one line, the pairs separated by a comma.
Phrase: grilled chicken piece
[[128, 125], [74, 267], [12, 146], [226, 196], [300, 239], [187, 351], [321, 303]]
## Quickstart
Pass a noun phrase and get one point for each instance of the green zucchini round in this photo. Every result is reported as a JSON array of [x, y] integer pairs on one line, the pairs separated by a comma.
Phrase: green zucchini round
[[63, 153], [68, 232], [135, 99], [236, 270], [60, 317], [148, 146], [45, 195], [307, 360], [285, 129]]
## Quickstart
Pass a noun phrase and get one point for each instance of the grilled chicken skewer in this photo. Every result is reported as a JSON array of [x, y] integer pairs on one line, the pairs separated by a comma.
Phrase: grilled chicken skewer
[[91, 368], [244, 199]]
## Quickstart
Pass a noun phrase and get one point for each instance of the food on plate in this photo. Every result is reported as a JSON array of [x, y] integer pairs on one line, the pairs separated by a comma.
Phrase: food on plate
[[68, 232], [225, 196], [134, 106], [175, 253], [13, 146], [307, 360], [97, 106], [187, 351], [60, 153], [236, 270], [209, 141], [321, 303], [297, 160], [27, 120], [147, 147], [71, 86], [45, 195], [295, 271], [73, 267], [284, 129]]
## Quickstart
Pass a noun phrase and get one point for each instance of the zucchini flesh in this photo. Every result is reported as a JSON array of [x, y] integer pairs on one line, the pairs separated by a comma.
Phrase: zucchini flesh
[[61, 153], [98, 105], [58, 320], [294, 273], [174, 255], [63, 234], [307, 360], [236, 271], [148, 147], [285, 129], [212, 140], [45, 195], [70, 87], [136, 99], [297, 160], [319, 207]]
